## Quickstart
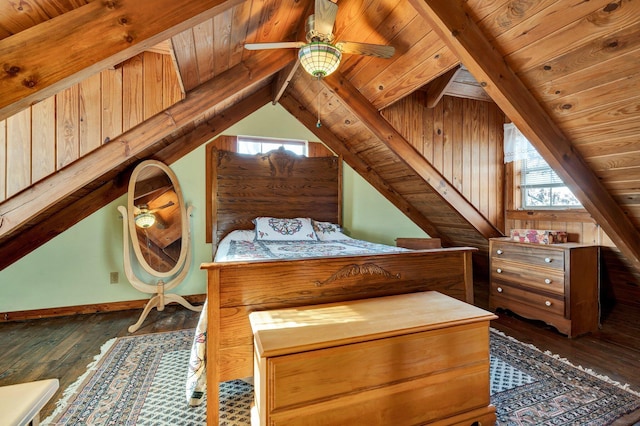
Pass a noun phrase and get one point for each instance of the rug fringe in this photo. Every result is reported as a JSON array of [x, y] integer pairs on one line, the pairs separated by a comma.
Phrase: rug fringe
[[626, 387], [73, 388]]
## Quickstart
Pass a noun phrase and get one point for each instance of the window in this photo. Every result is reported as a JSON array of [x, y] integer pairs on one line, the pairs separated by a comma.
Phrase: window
[[540, 186], [257, 145]]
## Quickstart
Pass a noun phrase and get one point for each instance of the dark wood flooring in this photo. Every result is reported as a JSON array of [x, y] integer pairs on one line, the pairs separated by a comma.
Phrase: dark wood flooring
[[63, 347]]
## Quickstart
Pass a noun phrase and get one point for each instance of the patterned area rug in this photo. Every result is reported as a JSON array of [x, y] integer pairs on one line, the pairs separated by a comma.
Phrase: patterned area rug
[[140, 380]]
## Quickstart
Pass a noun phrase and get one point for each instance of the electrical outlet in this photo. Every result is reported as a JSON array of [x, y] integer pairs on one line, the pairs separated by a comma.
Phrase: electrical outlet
[[114, 278]]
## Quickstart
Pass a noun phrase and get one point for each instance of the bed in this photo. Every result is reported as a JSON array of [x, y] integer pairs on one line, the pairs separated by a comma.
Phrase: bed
[[280, 184]]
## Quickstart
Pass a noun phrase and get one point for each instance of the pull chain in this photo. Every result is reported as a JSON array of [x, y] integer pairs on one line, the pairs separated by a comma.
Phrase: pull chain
[[318, 124]]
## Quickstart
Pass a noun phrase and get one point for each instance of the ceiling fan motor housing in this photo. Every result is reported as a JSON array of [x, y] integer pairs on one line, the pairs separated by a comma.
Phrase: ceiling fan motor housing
[[315, 36]]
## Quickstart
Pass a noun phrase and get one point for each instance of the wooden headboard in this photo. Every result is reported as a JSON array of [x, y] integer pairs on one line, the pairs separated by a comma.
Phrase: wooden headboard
[[279, 183]]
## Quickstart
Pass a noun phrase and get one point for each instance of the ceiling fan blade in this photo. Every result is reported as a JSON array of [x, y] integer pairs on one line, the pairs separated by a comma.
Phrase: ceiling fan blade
[[325, 16], [378, 50], [274, 45]]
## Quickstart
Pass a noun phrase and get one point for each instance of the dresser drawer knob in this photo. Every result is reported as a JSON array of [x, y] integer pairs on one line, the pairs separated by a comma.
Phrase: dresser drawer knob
[[499, 251], [547, 281], [499, 289], [547, 303], [499, 270], [548, 259]]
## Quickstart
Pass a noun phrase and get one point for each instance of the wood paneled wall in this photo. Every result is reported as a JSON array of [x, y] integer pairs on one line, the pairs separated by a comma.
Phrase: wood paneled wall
[[463, 139], [57, 131]]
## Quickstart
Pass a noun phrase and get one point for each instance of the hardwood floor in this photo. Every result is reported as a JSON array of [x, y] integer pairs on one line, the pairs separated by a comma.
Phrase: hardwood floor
[[63, 347]]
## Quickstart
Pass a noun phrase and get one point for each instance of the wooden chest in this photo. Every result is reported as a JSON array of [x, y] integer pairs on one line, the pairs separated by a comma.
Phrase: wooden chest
[[555, 283], [397, 360]]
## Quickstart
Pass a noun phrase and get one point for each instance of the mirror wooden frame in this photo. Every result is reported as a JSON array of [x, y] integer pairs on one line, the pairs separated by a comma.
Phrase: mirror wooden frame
[[130, 238], [184, 222]]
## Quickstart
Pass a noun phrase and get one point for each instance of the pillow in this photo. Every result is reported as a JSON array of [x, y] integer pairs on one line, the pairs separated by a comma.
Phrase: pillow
[[280, 229], [327, 231]]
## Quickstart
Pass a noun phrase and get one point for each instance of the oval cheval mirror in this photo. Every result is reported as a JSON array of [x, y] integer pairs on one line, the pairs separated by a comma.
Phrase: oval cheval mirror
[[157, 222]]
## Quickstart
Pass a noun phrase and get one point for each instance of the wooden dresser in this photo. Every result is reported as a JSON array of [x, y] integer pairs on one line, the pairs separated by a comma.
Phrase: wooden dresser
[[555, 283], [398, 360]]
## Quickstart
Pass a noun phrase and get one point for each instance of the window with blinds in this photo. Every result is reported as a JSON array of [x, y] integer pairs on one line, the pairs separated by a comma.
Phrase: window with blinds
[[541, 187], [259, 145]]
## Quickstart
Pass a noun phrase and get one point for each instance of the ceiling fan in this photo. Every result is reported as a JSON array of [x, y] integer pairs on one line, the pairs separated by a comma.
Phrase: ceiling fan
[[320, 56], [144, 217]]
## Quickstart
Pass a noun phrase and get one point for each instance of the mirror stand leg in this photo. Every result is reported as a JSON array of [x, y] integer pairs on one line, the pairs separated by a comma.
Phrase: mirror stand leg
[[152, 303], [171, 297]]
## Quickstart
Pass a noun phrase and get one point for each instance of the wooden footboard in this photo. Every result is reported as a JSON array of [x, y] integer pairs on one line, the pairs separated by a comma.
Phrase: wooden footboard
[[237, 288]]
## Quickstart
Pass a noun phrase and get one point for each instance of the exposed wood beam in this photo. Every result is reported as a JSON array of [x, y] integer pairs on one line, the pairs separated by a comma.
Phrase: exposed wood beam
[[244, 77], [42, 60], [474, 50], [369, 115], [439, 86], [55, 224], [282, 81], [309, 120]]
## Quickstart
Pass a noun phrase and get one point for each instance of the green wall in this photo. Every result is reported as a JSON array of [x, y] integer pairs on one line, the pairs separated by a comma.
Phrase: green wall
[[74, 268]]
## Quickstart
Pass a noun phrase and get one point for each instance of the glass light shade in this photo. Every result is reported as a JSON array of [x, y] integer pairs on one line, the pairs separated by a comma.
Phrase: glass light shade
[[145, 220], [319, 59]]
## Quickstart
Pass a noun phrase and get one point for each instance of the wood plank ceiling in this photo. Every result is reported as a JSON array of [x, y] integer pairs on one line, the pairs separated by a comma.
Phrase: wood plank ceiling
[[565, 72]]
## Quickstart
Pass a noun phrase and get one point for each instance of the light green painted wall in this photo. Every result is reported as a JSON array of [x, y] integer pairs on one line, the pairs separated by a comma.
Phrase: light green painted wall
[[74, 268]]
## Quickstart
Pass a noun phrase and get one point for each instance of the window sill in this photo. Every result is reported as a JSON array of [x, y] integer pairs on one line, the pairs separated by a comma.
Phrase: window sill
[[573, 215]]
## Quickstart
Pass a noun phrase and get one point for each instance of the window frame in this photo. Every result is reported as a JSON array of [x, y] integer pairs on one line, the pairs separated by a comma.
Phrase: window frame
[[519, 194], [284, 142]]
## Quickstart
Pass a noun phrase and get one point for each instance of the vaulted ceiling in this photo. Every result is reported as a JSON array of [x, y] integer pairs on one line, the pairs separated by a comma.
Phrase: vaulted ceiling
[[564, 72]]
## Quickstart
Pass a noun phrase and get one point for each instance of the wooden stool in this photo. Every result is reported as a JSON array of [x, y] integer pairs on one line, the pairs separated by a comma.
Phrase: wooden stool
[[21, 404], [397, 360]]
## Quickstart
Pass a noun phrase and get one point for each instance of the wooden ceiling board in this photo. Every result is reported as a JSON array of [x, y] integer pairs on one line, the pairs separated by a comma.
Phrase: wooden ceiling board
[[390, 31], [596, 25], [413, 45], [619, 68], [400, 35], [517, 24]]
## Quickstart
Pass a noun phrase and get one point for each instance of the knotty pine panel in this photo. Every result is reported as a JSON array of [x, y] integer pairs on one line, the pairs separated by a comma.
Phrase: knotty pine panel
[[462, 139], [67, 128], [172, 87], [58, 130], [132, 93], [111, 104], [18, 173], [43, 129], [90, 114], [152, 79]]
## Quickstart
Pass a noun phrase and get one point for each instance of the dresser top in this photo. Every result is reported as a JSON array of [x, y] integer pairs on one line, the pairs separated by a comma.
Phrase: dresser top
[[558, 246], [291, 330]]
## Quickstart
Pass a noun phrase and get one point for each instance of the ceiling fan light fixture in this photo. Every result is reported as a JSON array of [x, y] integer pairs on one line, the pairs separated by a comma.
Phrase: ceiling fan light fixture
[[319, 58], [145, 220]]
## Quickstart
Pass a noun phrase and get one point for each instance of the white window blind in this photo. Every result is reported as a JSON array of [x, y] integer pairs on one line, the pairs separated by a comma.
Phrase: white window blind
[[257, 145]]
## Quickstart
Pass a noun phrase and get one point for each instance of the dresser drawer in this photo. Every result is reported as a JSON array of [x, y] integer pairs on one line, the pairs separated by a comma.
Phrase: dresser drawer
[[529, 254], [547, 279], [542, 302]]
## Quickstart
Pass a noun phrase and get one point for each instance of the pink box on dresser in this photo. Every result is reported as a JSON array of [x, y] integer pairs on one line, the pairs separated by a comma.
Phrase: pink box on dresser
[[538, 236]]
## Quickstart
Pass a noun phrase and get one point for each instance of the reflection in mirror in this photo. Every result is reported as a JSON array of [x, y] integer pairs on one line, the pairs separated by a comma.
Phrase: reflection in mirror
[[157, 221], [157, 218]]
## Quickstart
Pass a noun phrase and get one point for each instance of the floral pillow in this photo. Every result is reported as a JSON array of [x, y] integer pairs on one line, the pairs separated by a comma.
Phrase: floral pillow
[[327, 231], [280, 229]]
